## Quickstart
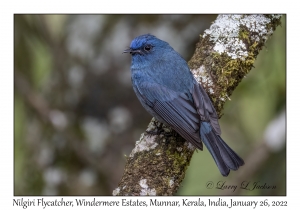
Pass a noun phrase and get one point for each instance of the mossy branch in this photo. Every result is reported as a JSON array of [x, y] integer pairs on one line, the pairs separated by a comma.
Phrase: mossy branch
[[224, 54]]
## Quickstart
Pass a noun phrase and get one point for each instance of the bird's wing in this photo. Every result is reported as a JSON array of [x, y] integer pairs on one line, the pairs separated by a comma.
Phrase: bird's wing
[[205, 108], [174, 108]]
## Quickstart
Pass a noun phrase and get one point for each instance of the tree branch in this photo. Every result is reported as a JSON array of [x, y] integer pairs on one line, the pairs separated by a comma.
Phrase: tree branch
[[224, 55]]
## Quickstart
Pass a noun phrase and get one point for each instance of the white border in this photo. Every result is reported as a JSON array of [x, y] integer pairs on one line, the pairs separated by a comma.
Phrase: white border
[[8, 8]]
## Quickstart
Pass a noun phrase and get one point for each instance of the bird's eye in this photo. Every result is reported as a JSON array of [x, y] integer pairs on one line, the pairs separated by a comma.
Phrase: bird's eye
[[148, 47]]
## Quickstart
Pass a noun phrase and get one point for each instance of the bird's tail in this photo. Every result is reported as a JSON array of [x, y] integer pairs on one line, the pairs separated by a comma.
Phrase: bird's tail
[[223, 155]]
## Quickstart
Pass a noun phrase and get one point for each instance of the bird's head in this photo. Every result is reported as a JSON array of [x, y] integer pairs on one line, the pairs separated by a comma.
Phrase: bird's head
[[147, 44]]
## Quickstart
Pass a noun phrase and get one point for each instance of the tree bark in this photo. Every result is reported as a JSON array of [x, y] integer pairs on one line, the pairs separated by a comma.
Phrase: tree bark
[[224, 54]]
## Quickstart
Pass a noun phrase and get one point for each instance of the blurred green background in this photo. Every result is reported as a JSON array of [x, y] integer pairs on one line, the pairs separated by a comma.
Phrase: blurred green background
[[76, 115]]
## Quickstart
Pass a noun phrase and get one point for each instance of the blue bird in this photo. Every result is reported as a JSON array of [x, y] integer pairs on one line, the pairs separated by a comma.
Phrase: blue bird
[[167, 89]]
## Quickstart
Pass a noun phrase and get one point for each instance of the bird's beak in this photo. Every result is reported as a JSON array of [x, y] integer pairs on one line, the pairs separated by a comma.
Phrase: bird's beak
[[129, 50]]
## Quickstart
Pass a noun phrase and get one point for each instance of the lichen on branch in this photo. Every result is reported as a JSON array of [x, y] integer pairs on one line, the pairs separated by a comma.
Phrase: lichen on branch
[[227, 50]]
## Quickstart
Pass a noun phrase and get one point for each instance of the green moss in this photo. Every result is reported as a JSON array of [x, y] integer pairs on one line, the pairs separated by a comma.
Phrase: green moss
[[229, 73], [244, 34]]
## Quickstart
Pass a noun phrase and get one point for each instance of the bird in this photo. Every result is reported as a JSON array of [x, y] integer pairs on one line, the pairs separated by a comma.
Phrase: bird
[[167, 89]]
